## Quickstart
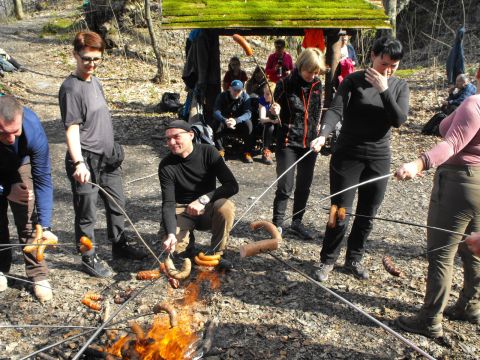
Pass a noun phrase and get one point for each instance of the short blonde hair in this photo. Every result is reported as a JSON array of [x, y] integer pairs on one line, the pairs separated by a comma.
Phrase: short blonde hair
[[311, 59]]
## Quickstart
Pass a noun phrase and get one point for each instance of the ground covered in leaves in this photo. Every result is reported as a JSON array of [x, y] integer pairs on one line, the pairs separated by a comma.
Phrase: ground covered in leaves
[[264, 309]]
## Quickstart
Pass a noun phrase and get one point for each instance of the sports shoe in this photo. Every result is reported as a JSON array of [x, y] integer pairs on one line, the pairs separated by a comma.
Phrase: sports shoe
[[357, 269], [43, 290], [221, 153], [267, 156], [419, 325], [247, 158], [323, 270], [300, 229], [3, 282], [127, 249], [93, 266], [456, 312]]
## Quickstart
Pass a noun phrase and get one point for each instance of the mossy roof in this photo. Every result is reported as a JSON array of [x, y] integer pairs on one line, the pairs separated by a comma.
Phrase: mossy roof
[[231, 14]]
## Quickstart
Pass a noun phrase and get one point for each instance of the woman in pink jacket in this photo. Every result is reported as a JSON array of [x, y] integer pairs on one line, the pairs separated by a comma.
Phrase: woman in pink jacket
[[454, 205]]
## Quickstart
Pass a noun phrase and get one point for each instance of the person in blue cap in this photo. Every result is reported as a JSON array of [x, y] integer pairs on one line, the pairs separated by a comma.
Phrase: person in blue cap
[[232, 114]]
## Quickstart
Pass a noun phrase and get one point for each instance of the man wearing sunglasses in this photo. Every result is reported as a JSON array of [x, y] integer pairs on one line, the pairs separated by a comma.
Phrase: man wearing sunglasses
[[25, 186], [190, 198], [93, 156]]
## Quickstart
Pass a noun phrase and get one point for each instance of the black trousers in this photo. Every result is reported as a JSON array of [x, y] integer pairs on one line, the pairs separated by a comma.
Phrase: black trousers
[[285, 158], [85, 199], [268, 130], [244, 130], [346, 171], [25, 218]]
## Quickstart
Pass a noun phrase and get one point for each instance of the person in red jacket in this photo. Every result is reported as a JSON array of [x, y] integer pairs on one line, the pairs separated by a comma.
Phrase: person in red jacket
[[280, 63]]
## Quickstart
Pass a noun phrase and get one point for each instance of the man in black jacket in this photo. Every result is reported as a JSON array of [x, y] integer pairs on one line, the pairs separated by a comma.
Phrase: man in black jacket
[[232, 114], [190, 198]]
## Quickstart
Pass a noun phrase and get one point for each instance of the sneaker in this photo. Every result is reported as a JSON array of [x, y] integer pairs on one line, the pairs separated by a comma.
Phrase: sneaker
[[222, 153], [357, 269], [127, 249], [43, 290], [3, 282], [323, 270], [247, 158], [93, 266], [457, 313], [267, 157], [300, 229], [417, 324]]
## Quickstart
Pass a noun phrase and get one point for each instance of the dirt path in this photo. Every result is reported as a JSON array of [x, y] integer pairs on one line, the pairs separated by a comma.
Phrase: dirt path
[[265, 310]]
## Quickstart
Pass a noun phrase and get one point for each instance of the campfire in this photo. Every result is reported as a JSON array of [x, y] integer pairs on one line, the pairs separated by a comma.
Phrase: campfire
[[176, 332]]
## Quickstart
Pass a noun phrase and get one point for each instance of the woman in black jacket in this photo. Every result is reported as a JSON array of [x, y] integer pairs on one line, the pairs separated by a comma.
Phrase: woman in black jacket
[[370, 103], [300, 98]]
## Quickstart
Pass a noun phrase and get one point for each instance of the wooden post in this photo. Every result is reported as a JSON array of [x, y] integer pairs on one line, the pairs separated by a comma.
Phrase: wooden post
[[18, 6], [332, 58]]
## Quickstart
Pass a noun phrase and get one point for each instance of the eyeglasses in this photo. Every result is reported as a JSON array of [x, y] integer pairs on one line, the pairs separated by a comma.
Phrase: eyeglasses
[[87, 59], [176, 137]]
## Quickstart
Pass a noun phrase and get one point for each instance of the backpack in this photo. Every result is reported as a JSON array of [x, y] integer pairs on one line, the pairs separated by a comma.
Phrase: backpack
[[432, 127], [170, 102], [203, 132]]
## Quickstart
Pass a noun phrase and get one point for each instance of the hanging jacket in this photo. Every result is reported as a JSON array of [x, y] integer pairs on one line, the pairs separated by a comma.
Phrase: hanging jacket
[[301, 108], [456, 58]]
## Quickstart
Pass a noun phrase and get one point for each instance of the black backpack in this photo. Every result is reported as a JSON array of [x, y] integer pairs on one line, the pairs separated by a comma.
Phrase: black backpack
[[170, 102]]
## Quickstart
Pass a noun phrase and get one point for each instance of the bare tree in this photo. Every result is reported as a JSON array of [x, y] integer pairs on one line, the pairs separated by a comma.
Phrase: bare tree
[[159, 77], [18, 6], [393, 8]]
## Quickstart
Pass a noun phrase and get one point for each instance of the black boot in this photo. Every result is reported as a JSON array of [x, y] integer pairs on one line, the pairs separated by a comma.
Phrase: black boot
[[93, 266], [127, 249]]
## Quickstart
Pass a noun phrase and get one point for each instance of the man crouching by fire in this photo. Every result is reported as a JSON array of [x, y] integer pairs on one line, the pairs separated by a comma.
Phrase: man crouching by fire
[[190, 199]]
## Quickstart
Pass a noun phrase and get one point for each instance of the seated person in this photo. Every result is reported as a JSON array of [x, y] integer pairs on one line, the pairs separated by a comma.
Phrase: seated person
[[232, 114], [254, 85], [280, 63], [234, 72], [462, 90], [8, 63], [190, 198], [268, 120]]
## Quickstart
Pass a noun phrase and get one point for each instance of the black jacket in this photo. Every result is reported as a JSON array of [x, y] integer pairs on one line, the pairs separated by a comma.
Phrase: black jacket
[[301, 108]]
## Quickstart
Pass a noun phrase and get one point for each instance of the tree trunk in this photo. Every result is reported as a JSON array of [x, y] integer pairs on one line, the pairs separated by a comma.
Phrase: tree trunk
[[18, 6], [160, 73], [391, 10]]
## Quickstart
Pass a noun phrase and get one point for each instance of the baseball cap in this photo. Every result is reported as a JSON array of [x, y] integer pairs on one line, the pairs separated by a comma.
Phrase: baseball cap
[[236, 85], [179, 124]]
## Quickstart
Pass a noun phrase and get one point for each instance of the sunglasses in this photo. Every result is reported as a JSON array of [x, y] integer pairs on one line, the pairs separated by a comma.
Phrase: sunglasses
[[87, 59]]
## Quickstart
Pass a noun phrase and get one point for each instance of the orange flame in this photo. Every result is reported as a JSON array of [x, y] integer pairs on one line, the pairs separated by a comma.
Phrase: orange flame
[[163, 342]]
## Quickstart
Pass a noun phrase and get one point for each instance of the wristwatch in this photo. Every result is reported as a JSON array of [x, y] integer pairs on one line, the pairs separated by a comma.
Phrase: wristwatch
[[204, 200]]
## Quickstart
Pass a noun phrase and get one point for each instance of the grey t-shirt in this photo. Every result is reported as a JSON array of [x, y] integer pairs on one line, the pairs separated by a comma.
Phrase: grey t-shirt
[[83, 102]]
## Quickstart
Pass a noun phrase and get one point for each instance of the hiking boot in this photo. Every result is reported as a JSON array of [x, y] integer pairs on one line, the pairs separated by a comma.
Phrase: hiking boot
[[323, 270], [93, 266], [267, 157], [247, 158], [225, 265], [298, 228], [419, 325], [456, 312], [3, 282], [222, 153], [43, 290], [127, 249], [357, 269]]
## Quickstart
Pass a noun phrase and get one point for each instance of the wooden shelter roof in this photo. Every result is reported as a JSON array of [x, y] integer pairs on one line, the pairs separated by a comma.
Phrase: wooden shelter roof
[[256, 14]]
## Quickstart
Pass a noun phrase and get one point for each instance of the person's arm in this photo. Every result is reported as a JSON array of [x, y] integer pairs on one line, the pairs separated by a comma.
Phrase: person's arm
[[270, 69], [41, 175], [396, 109], [81, 174], [245, 109], [463, 94], [167, 185], [288, 62], [335, 113], [352, 54], [217, 109], [229, 185], [464, 125]]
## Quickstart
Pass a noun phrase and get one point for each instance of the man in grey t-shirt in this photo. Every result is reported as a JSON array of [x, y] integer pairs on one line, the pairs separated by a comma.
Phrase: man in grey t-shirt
[[92, 155]]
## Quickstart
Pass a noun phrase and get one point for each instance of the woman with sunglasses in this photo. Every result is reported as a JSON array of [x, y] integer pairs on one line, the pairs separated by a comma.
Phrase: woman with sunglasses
[[92, 154]]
